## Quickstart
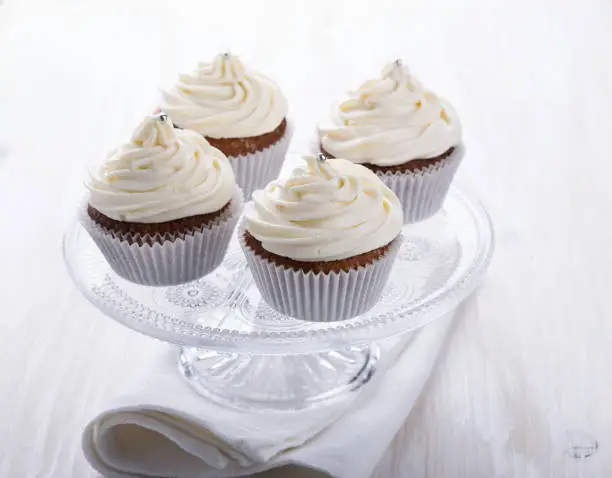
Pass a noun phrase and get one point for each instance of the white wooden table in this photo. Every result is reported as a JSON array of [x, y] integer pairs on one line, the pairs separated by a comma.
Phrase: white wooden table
[[527, 373]]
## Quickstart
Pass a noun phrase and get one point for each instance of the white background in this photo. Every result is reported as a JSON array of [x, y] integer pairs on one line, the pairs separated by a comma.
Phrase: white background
[[532, 81]]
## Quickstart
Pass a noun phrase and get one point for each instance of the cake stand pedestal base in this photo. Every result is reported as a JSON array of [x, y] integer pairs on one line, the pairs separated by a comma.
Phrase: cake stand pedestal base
[[277, 382]]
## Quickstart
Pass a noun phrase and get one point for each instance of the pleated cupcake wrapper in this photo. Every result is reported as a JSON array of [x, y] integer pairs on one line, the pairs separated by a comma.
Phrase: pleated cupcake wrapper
[[422, 193], [321, 297], [254, 171], [179, 258]]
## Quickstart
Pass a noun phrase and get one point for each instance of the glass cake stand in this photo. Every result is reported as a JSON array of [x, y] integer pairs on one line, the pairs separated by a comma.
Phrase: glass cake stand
[[236, 350]]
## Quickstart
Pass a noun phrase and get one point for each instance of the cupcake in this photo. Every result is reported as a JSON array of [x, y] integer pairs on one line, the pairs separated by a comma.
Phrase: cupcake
[[240, 112], [321, 242], [162, 208], [405, 134]]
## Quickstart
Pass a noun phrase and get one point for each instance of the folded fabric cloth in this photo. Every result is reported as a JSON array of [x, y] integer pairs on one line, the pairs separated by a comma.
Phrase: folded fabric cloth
[[163, 429]]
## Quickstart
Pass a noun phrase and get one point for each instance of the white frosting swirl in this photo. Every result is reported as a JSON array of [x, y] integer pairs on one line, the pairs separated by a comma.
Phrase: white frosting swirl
[[325, 211], [161, 175], [390, 121], [223, 99]]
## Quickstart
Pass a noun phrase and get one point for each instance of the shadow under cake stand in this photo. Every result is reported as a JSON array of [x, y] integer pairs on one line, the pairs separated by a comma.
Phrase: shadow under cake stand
[[237, 351]]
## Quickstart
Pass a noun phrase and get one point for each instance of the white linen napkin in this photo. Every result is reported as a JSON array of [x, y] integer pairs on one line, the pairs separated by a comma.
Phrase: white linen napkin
[[163, 429]]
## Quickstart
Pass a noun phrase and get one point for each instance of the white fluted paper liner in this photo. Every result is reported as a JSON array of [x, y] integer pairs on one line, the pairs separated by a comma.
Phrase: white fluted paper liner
[[422, 193], [320, 297], [254, 171], [179, 258]]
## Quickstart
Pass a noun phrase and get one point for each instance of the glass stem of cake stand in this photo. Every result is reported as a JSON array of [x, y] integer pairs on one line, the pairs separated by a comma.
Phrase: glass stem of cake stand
[[278, 382], [274, 382]]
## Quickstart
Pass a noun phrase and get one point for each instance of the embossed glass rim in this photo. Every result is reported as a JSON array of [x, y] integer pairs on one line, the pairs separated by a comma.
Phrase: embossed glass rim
[[333, 335]]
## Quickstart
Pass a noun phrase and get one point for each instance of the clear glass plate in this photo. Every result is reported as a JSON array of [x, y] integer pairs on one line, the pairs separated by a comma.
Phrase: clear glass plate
[[440, 263]]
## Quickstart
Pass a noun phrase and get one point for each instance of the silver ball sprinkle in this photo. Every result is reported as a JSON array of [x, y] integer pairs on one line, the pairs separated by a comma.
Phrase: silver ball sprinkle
[[161, 117], [321, 157], [398, 63]]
